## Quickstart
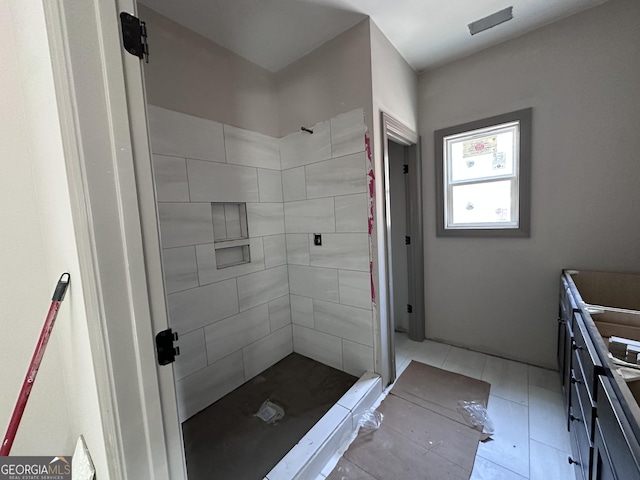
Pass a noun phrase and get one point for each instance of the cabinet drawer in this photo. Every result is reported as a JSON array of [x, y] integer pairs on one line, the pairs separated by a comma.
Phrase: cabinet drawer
[[587, 354], [579, 434], [565, 371], [584, 397], [602, 464], [621, 444], [575, 459]]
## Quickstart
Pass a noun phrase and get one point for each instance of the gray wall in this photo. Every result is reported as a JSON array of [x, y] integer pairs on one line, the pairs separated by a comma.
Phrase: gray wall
[[190, 74], [335, 78], [395, 92], [581, 77], [394, 83]]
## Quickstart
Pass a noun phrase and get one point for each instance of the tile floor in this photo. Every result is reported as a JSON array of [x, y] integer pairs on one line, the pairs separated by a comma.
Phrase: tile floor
[[525, 405]]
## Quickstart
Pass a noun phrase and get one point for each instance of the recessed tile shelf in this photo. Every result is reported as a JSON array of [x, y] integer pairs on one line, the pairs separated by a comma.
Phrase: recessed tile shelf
[[230, 233]]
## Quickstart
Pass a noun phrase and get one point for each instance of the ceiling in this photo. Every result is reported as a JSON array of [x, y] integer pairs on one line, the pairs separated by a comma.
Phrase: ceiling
[[428, 33]]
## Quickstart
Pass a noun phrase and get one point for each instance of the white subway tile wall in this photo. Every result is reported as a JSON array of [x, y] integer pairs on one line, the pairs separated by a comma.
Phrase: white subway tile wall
[[237, 321], [325, 192], [184, 224], [293, 184], [236, 332], [180, 268], [357, 357], [347, 133], [340, 176], [195, 308], [308, 216], [203, 387], [297, 248], [280, 313], [314, 282], [320, 346], [219, 182], [351, 323], [302, 311], [355, 288], [262, 287], [275, 251], [171, 178], [265, 219], [270, 185], [303, 148], [341, 250], [208, 271], [351, 213], [185, 136], [267, 351], [253, 149], [193, 354]]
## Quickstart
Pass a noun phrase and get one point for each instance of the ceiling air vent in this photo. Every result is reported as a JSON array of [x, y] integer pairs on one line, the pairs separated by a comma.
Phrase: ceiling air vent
[[491, 21]]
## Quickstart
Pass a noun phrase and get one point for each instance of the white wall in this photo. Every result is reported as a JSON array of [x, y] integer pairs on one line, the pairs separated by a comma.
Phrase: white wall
[[581, 77], [190, 74], [38, 245], [394, 83], [335, 78]]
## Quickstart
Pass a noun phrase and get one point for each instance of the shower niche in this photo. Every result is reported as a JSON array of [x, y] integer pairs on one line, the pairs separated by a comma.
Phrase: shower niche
[[231, 237]]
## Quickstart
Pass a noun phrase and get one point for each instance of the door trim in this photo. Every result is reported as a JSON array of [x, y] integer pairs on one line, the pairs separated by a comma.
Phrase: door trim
[[396, 131], [101, 148]]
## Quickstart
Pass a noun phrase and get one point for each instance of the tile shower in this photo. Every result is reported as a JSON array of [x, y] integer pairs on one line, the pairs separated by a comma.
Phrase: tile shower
[[285, 293]]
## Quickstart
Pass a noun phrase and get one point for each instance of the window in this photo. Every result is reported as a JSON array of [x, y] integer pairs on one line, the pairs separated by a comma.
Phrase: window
[[230, 233], [483, 177]]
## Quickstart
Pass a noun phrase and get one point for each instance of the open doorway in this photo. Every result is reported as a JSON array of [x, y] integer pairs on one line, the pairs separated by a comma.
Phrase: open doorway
[[404, 250]]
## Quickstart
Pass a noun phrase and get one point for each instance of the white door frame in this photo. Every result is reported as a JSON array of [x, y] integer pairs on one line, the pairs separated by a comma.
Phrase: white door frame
[[100, 93]]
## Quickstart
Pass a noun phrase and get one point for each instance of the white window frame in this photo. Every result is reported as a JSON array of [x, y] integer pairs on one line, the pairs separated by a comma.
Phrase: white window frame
[[518, 225]]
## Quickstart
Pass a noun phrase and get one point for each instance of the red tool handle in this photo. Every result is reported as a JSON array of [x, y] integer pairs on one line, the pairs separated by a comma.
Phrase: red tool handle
[[27, 385]]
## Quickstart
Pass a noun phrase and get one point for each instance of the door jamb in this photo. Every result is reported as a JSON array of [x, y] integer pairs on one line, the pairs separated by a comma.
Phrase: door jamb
[[392, 129]]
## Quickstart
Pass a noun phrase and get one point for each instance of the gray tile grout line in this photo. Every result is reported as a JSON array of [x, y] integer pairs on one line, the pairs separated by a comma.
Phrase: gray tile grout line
[[502, 467]]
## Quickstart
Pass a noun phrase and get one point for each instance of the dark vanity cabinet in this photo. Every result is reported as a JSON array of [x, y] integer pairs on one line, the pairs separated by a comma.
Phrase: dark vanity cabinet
[[603, 416]]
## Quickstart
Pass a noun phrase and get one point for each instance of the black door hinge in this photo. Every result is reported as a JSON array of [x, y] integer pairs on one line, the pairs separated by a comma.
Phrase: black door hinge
[[407, 240], [409, 308], [134, 36], [405, 168], [167, 353]]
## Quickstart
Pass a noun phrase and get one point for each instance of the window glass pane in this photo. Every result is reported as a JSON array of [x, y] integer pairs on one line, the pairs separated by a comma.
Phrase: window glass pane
[[482, 203], [489, 156]]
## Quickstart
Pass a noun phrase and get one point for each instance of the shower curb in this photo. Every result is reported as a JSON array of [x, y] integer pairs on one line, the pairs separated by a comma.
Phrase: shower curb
[[333, 431]]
